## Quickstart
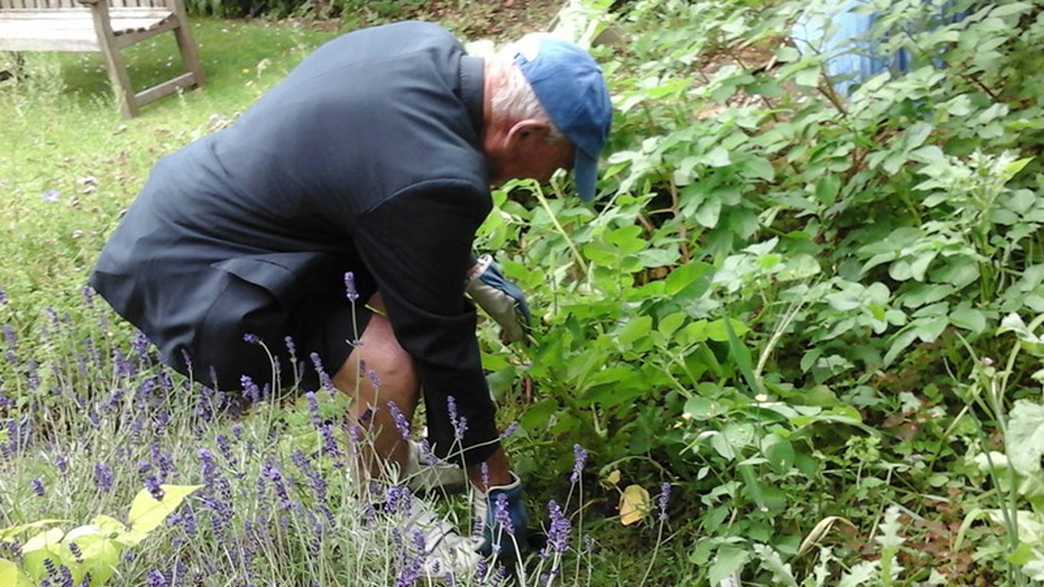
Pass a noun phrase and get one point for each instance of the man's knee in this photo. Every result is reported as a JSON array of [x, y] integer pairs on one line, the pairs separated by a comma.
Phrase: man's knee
[[383, 357]]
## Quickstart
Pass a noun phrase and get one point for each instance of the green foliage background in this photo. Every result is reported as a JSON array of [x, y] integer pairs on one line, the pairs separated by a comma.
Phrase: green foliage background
[[814, 316]]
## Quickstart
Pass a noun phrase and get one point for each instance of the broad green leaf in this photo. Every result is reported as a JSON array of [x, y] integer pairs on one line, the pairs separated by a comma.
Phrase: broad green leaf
[[968, 318], [741, 354], [778, 451], [807, 77], [708, 213], [537, 415], [669, 324], [1025, 442], [635, 329], [147, 513], [717, 157], [728, 560], [717, 330], [760, 168], [702, 408]]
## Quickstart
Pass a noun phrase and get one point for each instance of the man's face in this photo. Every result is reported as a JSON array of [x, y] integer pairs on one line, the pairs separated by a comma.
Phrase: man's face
[[523, 152]]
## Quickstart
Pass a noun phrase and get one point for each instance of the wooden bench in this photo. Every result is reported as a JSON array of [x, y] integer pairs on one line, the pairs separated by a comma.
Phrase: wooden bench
[[105, 26]]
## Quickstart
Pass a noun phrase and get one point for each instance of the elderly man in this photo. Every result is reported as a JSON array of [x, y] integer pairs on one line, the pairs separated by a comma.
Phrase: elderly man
[[375, 157]]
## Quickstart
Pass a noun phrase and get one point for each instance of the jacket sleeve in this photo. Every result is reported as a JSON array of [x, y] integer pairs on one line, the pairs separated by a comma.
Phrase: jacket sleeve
[[417, 245]]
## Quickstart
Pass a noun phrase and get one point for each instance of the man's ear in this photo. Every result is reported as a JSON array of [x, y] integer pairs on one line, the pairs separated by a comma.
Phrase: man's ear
[[525, 133]]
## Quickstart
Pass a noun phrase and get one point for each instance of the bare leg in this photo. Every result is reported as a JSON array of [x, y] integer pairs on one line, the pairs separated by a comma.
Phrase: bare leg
[[499, 471], [383, 355]]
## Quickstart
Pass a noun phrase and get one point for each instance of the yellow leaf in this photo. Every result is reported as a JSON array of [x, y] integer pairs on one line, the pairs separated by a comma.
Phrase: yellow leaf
[[147, 512], [43, 540], [9, 533], [614, 477], [10, 576], [634, 504]]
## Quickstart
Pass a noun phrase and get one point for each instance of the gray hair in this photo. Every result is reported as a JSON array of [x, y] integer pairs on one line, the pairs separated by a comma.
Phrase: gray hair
[[515, 99]]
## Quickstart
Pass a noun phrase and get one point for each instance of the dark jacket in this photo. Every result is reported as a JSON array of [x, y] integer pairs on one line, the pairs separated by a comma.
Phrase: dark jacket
[[368, 152]]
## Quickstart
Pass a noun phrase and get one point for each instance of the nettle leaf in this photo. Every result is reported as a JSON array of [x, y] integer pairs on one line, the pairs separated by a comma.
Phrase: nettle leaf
[[1025, 440]]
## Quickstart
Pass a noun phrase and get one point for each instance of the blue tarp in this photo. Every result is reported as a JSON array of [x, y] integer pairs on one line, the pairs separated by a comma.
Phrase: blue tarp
[[854, 55]]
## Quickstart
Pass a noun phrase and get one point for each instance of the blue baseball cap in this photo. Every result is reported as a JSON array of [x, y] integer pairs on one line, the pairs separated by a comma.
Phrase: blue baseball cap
[[569, 85]]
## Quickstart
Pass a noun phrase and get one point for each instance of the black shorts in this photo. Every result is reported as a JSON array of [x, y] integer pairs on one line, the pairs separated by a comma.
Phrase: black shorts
[[318, 318]]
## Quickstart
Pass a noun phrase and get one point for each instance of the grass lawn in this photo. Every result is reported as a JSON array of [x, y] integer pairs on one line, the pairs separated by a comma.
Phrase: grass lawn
[[70, 165]]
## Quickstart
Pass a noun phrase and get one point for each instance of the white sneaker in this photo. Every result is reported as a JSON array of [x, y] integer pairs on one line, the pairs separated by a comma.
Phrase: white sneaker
[[424, 476], [447, 552]]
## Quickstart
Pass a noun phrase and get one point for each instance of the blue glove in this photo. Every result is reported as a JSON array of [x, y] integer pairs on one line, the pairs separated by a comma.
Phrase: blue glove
[[505, 521], [501, 299]]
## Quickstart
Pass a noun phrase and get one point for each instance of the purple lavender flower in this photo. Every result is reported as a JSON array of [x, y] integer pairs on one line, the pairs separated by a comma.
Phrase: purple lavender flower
[[153, 485], [76, 552], [313, 409], [225, 447], [484, 474], [324, 380], [375, 380], [88, 295], [250, 389], [162, 461], [400, 420], [460, 423], [155, 579], [330, 446], [558, 532], [501, 513], [251, 338], [398, 499], [188, 521], [38, 487], [510, 430], [349, 286], [275, 477], [579, 459], [51, 196], [103, 477], [316, 479], [140, 345], [62, 464], [3, 297], [664, 499]]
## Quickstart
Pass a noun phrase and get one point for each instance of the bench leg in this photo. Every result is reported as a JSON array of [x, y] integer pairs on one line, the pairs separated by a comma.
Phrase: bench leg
[[120, 81], [189, 52]]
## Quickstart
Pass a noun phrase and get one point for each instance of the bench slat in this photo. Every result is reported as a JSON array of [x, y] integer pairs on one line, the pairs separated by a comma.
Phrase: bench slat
[[27, 28], [18, 37], [83, 13]]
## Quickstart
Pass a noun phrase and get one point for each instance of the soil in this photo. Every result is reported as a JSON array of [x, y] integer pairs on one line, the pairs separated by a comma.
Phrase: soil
[[497, 20]]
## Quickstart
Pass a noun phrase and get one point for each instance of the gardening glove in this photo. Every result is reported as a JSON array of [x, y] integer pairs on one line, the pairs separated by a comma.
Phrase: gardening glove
[[425, 476], [500, 520], [502, 300]]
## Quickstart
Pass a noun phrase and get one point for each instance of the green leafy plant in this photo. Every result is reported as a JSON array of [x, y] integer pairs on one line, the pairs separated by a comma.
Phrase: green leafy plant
[[91, 551]]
